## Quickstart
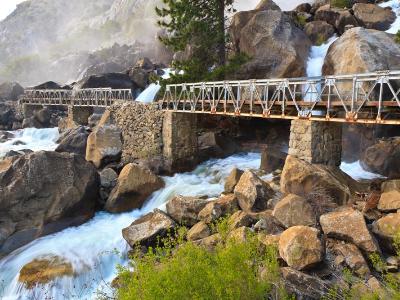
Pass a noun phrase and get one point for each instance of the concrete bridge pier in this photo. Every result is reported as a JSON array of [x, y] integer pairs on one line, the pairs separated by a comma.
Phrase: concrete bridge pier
[[29, 110], [316, 142], [80, 114]]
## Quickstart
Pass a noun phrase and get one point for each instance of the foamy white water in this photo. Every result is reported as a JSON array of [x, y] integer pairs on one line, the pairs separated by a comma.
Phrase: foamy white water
[[95, 248], [395, 5], [32, 139], [150, 93], [356, 171]]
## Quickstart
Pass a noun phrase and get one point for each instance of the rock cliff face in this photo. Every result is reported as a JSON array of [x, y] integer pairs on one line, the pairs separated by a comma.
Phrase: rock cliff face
[[59, 42]]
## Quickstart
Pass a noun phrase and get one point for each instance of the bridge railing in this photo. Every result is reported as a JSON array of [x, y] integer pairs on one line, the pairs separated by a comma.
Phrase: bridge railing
[[101, 97], [349, 97]]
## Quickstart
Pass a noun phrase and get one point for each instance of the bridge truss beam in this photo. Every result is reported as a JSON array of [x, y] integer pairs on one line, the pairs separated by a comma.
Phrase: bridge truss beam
[[360, 98]]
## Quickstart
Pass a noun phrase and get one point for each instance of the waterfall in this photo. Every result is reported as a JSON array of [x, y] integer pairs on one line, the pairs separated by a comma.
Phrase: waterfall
[[32, 139], [150, 93]]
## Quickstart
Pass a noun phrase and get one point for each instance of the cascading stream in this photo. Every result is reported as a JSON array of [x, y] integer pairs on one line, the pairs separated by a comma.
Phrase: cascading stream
[[32, 139]]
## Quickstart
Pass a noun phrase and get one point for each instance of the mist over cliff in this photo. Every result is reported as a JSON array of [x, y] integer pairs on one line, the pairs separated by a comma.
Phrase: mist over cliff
[[64, 40]]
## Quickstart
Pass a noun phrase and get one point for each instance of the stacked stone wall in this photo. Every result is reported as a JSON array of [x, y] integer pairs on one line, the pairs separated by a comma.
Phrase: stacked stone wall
[[316, 142], [141, 127]]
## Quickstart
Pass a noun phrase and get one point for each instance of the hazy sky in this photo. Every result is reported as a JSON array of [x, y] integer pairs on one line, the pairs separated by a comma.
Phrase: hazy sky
[[7, 6]]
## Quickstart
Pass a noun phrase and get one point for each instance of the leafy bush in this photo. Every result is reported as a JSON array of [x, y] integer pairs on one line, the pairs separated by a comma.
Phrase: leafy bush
[[190, 271]]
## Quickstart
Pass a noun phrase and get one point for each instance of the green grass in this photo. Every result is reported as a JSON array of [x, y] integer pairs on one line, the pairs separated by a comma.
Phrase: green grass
[[189, 271]]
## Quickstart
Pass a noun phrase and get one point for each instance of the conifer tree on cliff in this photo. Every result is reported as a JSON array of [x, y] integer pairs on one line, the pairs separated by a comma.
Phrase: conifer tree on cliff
[[196, 28]]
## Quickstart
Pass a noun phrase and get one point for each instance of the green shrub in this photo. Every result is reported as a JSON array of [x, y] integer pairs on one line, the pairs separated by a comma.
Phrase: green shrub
[[189, 271], [341, 3], [397, 37]]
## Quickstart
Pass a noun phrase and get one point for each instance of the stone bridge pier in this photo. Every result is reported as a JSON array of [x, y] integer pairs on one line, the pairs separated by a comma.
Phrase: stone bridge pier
[[316, 142]]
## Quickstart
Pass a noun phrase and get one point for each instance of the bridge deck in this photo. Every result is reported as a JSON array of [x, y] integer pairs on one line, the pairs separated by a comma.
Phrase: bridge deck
[[361, 98]]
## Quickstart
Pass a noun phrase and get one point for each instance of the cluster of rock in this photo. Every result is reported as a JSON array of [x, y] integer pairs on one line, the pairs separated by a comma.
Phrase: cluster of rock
[[288, 37], [313, 217]]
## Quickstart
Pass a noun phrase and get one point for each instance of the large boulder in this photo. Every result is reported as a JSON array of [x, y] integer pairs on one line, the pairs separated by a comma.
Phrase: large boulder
[[319, 31], [383, 158], [134, 186], [253, 193], [300, 178], [147, 230], [349, 225], [185, 210], [10, 91], [43, 270], [373, 16], [390, 197], [198, 231], [277, 47], [42, 193], [109, 80], [300, 247], [294, 210], [225, 205], [232, 180], [73, 141], [104, 145], [361, 50], [387, 228]]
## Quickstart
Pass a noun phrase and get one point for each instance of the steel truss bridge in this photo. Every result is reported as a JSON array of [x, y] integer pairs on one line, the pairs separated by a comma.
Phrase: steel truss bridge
[[83, 98], [361, 98]]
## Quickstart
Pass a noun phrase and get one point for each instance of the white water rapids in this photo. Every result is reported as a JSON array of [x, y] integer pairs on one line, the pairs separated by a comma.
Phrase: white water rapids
[[95, 248], [32, 139]]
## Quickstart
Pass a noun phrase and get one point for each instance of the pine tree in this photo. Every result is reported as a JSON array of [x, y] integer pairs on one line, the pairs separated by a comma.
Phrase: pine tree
[[198, 28]]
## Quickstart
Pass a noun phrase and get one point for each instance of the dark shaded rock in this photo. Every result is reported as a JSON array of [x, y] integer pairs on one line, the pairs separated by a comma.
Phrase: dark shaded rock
[[147, 230], [304, 7], [383, 158], [272, 159], [44, 192], [212, 144], [294, 210], [10, 91], [319, 31], [49, 85], [103, 68], [304, 286], [109, 80], [73, 141]]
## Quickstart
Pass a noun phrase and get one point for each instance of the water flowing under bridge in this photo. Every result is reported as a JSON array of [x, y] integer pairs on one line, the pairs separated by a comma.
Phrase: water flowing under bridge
[[361, 98]]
